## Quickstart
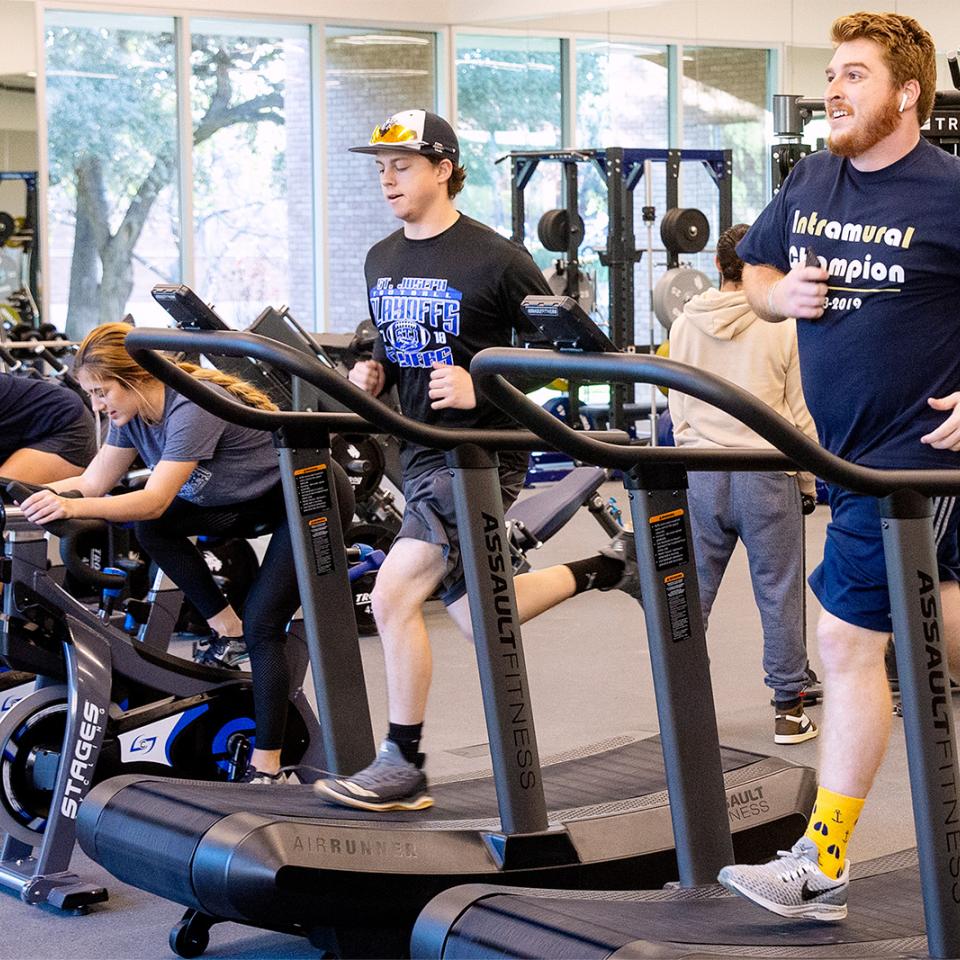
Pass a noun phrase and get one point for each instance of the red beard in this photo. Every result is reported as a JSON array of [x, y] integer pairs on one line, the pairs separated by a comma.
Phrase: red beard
[[869, 132]]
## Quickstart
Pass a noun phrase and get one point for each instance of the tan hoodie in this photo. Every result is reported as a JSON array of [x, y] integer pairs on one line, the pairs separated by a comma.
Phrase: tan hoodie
[[718, 331]]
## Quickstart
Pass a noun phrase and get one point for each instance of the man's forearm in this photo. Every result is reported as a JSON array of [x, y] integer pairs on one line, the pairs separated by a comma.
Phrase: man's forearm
[[759, 284]]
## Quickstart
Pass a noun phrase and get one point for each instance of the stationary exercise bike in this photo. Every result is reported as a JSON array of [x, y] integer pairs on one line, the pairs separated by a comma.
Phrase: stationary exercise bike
[[110, 705]]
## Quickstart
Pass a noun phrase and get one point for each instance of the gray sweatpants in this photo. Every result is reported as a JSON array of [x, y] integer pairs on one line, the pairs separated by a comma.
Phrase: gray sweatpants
[[763, 510]]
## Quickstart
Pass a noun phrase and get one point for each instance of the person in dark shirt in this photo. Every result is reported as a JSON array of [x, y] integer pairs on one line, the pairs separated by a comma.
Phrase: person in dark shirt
[[441, 288], [46, 433], [879, 347]]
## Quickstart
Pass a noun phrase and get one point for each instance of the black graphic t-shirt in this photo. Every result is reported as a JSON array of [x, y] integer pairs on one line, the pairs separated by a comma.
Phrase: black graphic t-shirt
[[890, 335], [440, 301]]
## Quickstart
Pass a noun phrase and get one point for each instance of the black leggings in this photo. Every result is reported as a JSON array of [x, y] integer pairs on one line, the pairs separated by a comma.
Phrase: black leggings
[[271, 602]]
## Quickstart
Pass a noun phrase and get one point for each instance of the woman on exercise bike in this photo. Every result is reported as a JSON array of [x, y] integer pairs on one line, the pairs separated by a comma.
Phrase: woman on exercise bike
[[207, 477]]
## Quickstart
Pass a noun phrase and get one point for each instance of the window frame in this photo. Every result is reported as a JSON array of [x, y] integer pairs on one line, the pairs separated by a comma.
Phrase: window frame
[[445, 83]]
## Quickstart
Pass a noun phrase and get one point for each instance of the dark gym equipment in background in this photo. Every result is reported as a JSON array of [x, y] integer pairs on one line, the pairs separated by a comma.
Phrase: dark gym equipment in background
[[621, 169]]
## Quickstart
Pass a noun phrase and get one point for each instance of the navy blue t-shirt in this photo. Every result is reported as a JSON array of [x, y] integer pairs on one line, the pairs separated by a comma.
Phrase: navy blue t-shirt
[[33, 409], [890, 335]]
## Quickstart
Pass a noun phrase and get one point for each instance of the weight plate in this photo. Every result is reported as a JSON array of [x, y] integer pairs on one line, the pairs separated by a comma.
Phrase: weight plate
[[553, 229], [684, 230], [360, 447], [674, 289], [8, 227]]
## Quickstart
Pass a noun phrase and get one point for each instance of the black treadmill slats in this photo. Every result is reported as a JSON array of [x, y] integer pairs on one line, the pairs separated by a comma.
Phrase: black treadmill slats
[[886, 919]]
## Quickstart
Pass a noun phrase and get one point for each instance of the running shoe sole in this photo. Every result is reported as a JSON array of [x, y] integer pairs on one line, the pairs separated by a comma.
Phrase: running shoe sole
[[421, 802]]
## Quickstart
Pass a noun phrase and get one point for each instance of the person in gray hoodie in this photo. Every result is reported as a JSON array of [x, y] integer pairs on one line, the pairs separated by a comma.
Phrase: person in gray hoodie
[[719, 332]]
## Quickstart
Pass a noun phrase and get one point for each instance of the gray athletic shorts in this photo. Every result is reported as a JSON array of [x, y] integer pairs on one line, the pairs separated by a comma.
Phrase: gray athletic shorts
[[77, 443], [430, 515]]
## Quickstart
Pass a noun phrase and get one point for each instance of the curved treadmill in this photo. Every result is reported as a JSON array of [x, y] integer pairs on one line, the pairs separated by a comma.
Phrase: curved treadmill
[[885, 920], [354, 882], [903, 905]]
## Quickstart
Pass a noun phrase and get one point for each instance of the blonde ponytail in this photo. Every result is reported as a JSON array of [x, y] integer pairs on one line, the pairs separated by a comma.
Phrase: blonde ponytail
[[243, 391], [103, 354]]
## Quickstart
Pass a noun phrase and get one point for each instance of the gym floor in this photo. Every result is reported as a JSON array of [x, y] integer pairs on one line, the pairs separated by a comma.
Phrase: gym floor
[[590, 680]]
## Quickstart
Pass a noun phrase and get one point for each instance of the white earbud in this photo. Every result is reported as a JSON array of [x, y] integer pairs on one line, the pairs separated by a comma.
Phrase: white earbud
[[903, 103]]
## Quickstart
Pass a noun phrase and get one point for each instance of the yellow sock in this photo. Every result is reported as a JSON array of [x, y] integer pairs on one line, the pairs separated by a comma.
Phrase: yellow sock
[[831, 826]]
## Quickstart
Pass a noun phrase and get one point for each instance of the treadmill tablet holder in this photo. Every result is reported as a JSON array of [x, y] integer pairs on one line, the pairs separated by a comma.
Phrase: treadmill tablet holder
[[566, 325]]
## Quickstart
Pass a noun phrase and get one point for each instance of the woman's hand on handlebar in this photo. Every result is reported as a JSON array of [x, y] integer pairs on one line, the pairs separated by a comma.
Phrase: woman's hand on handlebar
[[45, 506], [368, 375]]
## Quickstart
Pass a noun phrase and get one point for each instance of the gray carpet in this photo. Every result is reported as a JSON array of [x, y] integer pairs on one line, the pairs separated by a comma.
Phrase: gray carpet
[[590, 679]]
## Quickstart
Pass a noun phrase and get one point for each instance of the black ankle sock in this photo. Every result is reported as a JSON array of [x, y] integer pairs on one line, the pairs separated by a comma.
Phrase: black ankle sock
[[407, 738], [783, 705], [595, 573]]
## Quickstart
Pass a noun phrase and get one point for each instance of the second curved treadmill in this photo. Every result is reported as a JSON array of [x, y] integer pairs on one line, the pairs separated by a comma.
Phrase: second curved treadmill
[[903, 905]]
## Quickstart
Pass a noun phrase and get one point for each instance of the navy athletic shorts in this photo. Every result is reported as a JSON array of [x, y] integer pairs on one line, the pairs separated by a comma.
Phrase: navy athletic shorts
[[851, 582]]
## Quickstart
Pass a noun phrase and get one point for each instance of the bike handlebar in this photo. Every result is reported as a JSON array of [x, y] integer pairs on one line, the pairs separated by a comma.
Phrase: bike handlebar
[[69, 532]]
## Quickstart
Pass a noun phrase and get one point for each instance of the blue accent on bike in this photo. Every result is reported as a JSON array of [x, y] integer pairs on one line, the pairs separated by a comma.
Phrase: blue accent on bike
[[223, 735], [113, 591], [188, 717]]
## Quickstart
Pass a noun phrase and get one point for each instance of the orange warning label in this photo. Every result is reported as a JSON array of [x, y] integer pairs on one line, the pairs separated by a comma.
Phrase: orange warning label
[[673, 514]]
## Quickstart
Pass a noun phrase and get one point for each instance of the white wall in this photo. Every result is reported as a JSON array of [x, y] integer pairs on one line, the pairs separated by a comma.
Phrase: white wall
[[793, 22], [17, 27]]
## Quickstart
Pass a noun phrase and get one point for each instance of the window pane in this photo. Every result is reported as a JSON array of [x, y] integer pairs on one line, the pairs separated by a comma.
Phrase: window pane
[[370, 75], [508, 98], [725, 107], [607, 118], [252, 171], [622, 93], [112, 132]]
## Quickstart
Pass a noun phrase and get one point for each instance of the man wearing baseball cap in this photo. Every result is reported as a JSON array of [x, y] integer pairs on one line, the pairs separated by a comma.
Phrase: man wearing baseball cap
[[441, 288]]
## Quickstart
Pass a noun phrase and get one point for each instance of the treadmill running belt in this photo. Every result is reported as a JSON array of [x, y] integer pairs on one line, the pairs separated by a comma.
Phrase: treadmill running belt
[[886, 919], [632, 770]]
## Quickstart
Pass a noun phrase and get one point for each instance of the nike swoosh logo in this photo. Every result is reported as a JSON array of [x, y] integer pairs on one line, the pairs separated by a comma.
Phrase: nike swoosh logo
[[807, 894]]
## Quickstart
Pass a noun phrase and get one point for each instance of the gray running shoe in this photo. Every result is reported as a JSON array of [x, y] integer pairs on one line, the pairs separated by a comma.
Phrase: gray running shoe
[[793, 885], [227, 652], [391, 782], [623, 547]]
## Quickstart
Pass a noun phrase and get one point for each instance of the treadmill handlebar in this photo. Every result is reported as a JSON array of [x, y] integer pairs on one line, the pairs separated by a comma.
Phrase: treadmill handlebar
[[372, 415], [797, 450]]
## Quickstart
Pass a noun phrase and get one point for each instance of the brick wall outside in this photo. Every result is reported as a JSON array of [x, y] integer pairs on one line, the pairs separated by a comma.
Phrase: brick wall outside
[[299, 185], [724, 107], [364, 86]]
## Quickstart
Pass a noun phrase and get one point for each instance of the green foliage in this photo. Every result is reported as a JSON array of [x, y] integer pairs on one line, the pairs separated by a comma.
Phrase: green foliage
[[110, 94], [501, 90]]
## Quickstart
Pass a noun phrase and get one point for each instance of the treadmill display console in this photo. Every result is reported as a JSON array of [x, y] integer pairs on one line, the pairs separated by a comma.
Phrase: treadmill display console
[[566, 324]]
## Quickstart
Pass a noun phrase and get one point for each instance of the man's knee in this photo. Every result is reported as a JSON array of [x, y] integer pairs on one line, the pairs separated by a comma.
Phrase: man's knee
[[844, 646], [395, 598], [387, 602]]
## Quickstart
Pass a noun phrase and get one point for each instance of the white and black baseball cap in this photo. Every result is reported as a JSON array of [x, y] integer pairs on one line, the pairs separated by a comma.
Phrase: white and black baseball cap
[[418, 131]]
